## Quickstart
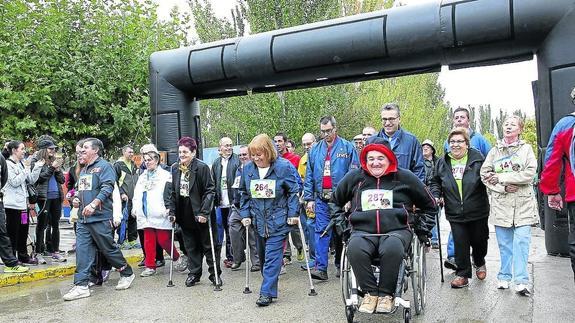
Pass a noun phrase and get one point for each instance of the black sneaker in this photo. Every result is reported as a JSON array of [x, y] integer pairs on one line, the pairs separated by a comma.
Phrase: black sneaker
[[319, 274], [450, 263], [160, 263], [264, 300]]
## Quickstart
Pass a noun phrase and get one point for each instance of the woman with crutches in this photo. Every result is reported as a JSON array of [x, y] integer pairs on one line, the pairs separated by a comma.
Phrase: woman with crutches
[[153, 207], [268, 196], [194, 192]]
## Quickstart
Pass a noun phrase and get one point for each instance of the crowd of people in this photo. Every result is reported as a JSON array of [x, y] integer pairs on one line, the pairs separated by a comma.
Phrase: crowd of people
[[376, 183]]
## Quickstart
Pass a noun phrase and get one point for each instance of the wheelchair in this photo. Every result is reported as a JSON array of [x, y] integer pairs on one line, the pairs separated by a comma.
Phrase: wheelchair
[[412, 268]]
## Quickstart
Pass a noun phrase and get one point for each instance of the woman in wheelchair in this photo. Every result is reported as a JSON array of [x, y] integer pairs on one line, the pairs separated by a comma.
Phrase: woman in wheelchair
[[382, 196]]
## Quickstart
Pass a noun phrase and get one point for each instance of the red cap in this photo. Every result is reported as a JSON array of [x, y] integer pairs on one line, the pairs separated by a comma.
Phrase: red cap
[[382, 149]]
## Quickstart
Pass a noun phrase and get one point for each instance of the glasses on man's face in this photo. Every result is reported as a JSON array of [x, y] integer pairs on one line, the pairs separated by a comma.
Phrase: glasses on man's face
[[392, 119], [456, 142], [326, 131]]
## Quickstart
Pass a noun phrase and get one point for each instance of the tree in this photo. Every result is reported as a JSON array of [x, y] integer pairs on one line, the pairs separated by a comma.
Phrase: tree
[[79, 68]]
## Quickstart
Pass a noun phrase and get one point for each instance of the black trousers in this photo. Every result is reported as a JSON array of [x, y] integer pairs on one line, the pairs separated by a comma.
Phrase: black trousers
[[571, 237], [197, 241], [18, 233], [132, 225], [6, 253], [49, 224], [472, 234], [390, 250], [159, 250], [225, 212]]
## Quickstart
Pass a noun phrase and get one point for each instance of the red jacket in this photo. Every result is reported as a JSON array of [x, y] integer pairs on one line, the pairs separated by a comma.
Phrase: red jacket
[[559, 160], [292, 158]]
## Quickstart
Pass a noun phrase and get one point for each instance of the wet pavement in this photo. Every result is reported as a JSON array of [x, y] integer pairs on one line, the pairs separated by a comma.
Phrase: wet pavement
[[149, 299]]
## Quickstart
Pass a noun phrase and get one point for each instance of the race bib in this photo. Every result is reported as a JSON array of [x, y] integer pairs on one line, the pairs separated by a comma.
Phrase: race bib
[[184, 186], [327, 168], [263, 188], [376, 200], [85, 182], [507, 164], [237, 182], [224, 183], [458, 171]]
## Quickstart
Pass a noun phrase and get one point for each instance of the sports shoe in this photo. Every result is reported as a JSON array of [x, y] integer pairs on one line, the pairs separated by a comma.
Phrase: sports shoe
[[181, 264], [125, 282], [18, 269], [369, 303], [41, 259], [105, 275], [384, 304], [460, 282], [77, 292], [450, 263], [148, 272], [30, 261], [160, 263], [300, 255], [502, 284], [287, 261], [264, 300], [320, 275], [236, 266], [126, 245], [283, 270], [255, 268], [228, 263], [481, 272], [56, 257], [522, 290]]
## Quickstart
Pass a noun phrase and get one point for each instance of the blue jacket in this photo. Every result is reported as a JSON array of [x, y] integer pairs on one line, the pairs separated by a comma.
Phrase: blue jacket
[[477, 141], [96, 181], [407, 150], [270, 214], [343, 158]]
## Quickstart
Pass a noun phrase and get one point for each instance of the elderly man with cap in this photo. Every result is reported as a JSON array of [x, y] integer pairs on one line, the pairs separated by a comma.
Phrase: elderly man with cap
[[429, 161], [49, 189], [358, 142]]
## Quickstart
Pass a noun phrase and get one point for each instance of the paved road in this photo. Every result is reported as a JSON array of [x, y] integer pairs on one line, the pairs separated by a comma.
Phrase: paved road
[[150, 300]]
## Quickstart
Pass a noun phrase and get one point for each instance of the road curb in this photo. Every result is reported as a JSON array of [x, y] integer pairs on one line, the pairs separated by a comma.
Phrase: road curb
[[52, 272]]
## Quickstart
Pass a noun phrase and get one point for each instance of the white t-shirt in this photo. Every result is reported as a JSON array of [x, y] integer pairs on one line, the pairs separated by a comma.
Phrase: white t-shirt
[[263, 171], [225, 200]]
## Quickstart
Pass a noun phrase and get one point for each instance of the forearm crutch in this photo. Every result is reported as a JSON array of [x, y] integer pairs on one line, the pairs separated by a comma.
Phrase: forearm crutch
[[247, 288], [437, 218], [216, 274], [311, 288], [170, 282]]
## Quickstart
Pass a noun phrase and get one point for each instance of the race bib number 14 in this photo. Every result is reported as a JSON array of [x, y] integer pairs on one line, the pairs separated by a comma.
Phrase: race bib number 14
[[376, 199], [263, 188]]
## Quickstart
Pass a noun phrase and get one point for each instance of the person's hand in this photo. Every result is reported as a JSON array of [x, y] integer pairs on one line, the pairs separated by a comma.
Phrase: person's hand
[[201, 219], [310, 206], [246, 222], [124, 197], [555, 202], [493, 179], [511, 188], [57, 163], [88, 210], [293, 220]]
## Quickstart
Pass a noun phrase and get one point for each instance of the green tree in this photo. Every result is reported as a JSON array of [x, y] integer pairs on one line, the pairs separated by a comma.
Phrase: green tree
[[77, 68]]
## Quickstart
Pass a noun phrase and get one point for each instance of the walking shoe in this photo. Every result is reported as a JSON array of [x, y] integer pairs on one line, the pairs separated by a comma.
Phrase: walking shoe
[[142, 263], [368, 304], [41, 259], [181, 264], [235, 266], [283, 270], [160, 263], [522, 290], [481, 272], [30, 261], [384, 304], [105, 275], [459, 282], [125, 282], [264, 300], [228, 263], [56, 257], [287, 261], [319, 275], [192, 280], [18, 269], [502, 284], [450, 263], [77, 292], [255, 268], [148, 272], [300, 255]]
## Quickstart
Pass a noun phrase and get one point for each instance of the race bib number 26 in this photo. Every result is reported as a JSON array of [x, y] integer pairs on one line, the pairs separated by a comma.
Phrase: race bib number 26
[[263, 188], [376, 199]]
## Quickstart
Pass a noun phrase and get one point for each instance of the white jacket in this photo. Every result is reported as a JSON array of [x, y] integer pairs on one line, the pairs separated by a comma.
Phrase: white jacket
[[15, 192], [158, 188]]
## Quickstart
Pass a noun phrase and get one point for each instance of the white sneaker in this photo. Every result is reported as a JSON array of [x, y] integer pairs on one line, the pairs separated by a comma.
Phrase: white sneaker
[[41, 259], [522, 289], [125, 282], [181, 264], [502, 284], [146, 273], [77, 292]]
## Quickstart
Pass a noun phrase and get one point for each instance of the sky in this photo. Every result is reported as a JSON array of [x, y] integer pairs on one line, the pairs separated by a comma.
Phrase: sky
[[507, 87]]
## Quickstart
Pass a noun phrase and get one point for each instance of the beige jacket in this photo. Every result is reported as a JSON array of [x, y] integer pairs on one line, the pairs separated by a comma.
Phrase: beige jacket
[[514, 164]]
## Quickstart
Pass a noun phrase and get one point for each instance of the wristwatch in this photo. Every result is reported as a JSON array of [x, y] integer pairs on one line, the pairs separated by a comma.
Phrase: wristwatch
[[93, 206]]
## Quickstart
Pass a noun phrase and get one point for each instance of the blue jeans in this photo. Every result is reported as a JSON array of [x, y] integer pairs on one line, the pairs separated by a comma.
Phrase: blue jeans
[[514, 250], [450, 246], [322, 219], [310, 239], [270, 251]]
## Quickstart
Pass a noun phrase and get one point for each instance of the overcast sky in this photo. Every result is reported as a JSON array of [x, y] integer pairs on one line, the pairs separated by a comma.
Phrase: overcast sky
[[503, 86]]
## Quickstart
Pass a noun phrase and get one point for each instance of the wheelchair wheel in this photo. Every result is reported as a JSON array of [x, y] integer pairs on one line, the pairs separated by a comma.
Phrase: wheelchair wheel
[[423, 277], [406, 315], [345, 279], [416, 277]]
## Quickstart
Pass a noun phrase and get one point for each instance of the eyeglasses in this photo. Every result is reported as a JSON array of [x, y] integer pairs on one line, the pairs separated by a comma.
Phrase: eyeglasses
[[453, 142], [384, 120], [326, 131]]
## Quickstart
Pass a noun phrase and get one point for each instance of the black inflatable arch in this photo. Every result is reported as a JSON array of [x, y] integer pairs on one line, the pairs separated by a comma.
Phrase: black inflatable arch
[[399, 41]]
